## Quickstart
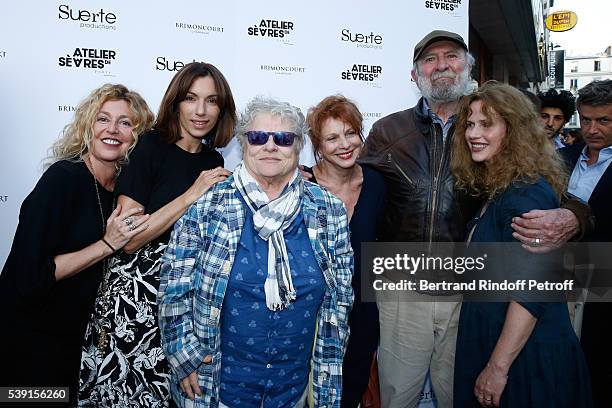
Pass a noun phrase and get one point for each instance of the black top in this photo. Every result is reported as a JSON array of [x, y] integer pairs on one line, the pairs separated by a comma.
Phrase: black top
[[158, 172], [60, 215], [367, 216], [43, 321]]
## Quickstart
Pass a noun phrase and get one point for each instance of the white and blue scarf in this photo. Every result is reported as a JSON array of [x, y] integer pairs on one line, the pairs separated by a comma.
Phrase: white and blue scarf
[[271, 218]]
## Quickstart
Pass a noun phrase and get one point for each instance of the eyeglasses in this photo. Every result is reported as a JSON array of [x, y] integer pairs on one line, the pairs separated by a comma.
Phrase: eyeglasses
[[260, 137]]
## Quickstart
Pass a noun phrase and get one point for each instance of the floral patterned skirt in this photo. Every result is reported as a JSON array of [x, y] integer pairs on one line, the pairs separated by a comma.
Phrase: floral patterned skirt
[[122, 363]]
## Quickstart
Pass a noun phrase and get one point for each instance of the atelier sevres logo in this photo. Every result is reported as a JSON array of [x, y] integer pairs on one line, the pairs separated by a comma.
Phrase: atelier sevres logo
[[363, 73], [443, 5], [92, 19], [97, 60], [268, 28], [196, 28], [362, 40]]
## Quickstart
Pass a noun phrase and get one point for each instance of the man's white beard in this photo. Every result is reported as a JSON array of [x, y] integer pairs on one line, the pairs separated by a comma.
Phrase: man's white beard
[[444, 93]]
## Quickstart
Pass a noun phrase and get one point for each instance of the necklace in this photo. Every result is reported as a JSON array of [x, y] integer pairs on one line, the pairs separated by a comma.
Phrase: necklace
[[103, 339]]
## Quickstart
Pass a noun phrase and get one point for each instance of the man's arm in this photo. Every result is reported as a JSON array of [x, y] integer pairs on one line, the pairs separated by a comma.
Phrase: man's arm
[[541, 231]]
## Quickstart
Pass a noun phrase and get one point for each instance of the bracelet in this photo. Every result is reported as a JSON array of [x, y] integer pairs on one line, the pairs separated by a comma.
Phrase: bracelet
[[109, 245]]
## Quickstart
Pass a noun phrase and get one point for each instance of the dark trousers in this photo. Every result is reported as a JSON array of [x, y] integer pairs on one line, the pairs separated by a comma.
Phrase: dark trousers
[[597, 348], [362, 343]]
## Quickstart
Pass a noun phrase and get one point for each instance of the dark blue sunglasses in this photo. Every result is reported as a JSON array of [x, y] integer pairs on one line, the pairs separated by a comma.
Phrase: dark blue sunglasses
[[259, 137]]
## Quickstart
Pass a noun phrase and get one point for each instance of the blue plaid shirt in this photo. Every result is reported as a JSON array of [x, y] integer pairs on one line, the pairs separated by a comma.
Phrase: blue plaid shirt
[[194, 276]]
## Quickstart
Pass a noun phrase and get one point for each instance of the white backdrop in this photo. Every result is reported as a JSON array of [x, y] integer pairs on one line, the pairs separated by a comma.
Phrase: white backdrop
[[52, 54]]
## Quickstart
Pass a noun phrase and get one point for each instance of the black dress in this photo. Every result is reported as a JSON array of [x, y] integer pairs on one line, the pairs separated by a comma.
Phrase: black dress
[[363, 319], [43, 321], [550, 371], [131, 369]]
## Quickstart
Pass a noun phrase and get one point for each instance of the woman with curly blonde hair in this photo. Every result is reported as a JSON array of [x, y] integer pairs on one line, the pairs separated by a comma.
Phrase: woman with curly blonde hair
[[67, 227], [512, 354]]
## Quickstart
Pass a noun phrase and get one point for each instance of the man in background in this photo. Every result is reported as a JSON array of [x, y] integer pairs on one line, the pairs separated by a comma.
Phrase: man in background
[[591, 181], [556, 110]]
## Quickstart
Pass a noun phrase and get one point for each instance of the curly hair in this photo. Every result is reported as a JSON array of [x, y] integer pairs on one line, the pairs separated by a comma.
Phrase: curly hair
[[335, 107], [525, 154], [168, 116], [75, 142], [563, 100]]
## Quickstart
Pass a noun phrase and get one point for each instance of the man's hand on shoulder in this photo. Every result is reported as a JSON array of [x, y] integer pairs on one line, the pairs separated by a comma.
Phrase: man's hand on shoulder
[[542, 231]]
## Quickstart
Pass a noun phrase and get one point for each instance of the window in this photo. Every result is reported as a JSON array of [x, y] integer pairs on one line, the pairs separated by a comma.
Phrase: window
[[574, 83], [597, 66]]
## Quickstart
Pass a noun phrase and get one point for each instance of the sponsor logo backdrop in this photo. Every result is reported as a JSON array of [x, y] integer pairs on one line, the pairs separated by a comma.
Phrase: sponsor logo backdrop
[[52, 54]]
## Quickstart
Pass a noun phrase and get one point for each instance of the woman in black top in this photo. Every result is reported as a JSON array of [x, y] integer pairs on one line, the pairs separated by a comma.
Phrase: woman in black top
[[67, 227], [170, 168], [336, 135]]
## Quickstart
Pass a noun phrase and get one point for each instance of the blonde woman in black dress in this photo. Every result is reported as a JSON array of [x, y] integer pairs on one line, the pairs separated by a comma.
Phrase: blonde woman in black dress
[[67, 228]]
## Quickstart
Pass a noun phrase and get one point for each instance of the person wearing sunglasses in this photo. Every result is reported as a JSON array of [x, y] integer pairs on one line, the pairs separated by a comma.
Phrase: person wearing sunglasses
[[256, 281]]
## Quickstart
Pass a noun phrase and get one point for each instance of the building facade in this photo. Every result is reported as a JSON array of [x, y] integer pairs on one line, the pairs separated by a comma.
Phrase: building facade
[[580, 70]]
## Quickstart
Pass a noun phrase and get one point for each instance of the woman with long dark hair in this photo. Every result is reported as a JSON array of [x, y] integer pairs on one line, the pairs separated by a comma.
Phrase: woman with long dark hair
[[172, 166]]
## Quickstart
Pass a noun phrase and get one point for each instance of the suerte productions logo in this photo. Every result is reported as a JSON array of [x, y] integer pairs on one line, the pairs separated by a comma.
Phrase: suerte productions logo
[[445, 5], [95, 19], [269, 28], [282, 69], [167, 64], [205, 29], [94, 59], [362, 40], [363, 73]]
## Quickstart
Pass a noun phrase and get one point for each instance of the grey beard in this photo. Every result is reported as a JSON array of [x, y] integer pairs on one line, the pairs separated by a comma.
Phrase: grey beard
[[444, 93]]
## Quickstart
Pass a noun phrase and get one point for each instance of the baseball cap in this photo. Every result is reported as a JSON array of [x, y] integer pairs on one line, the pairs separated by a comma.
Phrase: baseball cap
[[437, 35]]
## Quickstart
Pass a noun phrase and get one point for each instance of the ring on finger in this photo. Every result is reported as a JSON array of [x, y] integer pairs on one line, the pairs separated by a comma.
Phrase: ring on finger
[[132, 227], [128, 221]]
